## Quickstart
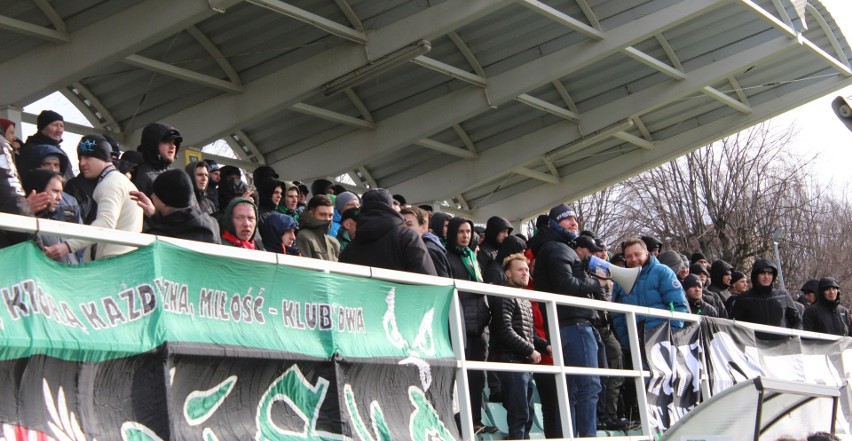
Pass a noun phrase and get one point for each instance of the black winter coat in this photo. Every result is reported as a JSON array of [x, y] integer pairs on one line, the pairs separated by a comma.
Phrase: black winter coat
[[382, 240], [827, 317], [715, 300], [766, 306], [493, 273], [702, 308], [438, 254], [474, 306], [512, 330], [559, 270], [185, 223]]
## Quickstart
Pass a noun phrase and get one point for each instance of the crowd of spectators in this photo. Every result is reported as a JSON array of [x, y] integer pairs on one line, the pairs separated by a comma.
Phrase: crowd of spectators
[[141, 190]]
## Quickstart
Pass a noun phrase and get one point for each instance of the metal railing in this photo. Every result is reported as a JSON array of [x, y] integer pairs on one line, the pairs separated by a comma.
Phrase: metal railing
[[457, 334]]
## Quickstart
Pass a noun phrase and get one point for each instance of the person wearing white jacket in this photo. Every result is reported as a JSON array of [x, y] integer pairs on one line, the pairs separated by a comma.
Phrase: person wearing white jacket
[[116, 208]]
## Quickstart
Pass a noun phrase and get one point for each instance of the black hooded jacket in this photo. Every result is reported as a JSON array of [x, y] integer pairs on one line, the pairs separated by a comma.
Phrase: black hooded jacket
[[700, 307], [718, 270], [25, 156], [205, 205], [765, 305], [477, 315], [493, 273], [489, 247], [559, 270], [826, 316], [382, 239], [265, 207], [185, 223], [436, 224], [154, 164]]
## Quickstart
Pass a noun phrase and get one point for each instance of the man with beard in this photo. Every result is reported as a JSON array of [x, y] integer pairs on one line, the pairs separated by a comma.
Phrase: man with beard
[[656, 287], [559, 270]]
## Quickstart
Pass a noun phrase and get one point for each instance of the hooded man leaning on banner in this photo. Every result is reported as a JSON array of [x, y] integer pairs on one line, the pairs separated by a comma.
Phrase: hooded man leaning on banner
[[171, 212], [827, 315], [765, 305], [116, 208], [239, 224]]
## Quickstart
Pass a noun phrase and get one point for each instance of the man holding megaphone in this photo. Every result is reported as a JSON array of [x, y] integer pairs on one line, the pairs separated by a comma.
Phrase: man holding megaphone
[[657, 286]]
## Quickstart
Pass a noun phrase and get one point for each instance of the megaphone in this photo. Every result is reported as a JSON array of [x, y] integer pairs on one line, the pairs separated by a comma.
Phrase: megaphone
[[843, 111], [625, 277]]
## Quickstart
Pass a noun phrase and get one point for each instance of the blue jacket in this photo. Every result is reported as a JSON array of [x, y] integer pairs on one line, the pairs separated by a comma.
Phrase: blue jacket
[[657, 287]]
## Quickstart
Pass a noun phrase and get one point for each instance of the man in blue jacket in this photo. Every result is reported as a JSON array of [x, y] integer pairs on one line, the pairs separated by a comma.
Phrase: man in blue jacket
[[656, 287]]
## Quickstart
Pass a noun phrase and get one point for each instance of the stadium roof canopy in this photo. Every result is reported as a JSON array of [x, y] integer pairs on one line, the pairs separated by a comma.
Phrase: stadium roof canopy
[[499, 106]]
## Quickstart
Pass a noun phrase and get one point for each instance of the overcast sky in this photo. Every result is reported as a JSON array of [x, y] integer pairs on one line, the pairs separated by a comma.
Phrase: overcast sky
[[818, 129]]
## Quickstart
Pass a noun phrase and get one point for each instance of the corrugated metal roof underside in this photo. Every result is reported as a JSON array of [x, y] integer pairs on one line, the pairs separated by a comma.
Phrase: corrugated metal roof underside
[[383, 130]]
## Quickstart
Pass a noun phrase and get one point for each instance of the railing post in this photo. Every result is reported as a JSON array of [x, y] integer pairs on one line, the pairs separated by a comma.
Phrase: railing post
[[561, 381], [457, 335], [636, 357]]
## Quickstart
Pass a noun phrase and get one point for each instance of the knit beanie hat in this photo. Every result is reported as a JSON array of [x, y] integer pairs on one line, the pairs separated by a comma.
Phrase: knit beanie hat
[[378, 195], [343, 199], [696, 257], [671, 259], [94, 145], [690, 281], [174, 188], [560, 212], [736, 276], [46, 117]]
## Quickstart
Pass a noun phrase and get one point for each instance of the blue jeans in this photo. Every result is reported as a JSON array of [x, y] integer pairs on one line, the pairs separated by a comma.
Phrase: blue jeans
[[580, 348], [517, 399]]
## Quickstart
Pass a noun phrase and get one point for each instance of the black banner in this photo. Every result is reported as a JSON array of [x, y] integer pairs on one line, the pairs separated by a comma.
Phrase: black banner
[[202, 392], [733, 354], [674, 358]]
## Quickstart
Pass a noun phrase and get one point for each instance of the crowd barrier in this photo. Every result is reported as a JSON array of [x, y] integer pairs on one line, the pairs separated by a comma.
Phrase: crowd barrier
[[456, 328]]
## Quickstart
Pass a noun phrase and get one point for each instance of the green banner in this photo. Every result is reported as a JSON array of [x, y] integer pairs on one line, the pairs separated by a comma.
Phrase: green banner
[[133, 303]]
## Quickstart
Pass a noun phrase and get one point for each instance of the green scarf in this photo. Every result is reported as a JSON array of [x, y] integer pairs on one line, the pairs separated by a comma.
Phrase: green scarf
[[469, 260]]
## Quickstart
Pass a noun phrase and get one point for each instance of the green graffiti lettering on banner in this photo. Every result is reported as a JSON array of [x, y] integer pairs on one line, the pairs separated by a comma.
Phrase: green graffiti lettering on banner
[[380, 426], [201, 405], [304, 399], [425, 423], [133, 431], [208, 435]]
